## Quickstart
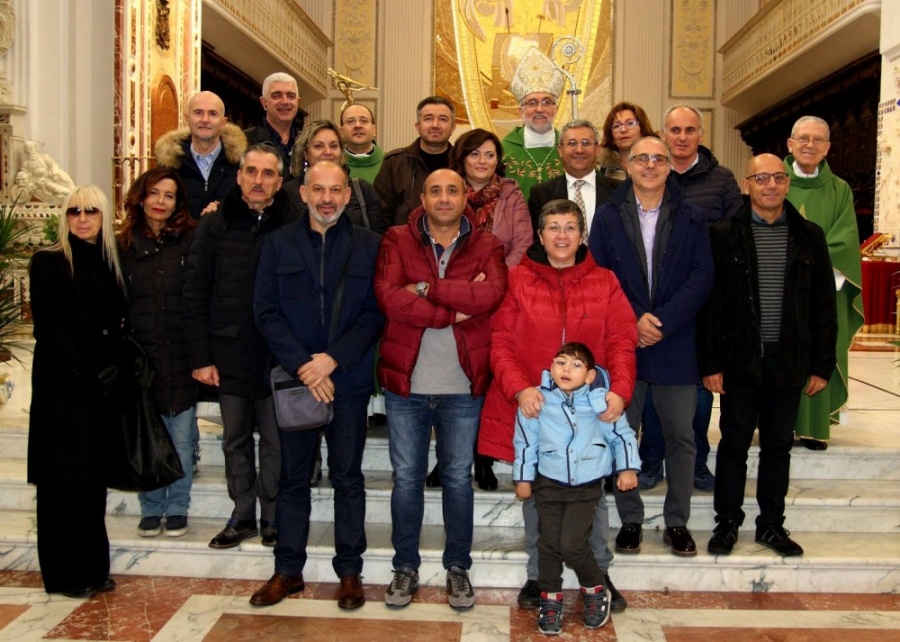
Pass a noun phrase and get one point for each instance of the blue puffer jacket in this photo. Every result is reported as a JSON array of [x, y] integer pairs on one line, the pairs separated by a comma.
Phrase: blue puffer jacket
[[298, 276], [567, 442]]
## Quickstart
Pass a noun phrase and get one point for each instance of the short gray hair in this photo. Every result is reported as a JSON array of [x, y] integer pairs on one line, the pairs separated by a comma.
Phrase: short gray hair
[[560, 206], [811, 119], [656, 138], [579, 124], [263, 148], [688, 107], [278, 76]]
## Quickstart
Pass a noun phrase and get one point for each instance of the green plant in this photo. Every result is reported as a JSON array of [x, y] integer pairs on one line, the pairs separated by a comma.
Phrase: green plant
[[12, 234], [51, 229]]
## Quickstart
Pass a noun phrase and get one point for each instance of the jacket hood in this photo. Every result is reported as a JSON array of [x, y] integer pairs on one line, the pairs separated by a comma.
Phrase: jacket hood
[[171, 147]]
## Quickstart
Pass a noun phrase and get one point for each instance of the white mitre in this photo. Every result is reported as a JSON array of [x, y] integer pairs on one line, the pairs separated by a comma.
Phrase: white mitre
[[536, 74]]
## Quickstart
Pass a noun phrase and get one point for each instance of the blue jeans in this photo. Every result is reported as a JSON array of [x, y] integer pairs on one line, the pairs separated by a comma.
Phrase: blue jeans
[[652, 449], [455, 419], [346, 439], [174, 499]]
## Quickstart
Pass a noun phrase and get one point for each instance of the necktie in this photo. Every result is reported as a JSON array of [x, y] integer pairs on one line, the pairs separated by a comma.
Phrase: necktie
[[579, 201]]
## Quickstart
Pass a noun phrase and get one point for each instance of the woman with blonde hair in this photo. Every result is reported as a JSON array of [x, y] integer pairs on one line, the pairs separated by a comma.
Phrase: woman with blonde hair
[[78, 307]]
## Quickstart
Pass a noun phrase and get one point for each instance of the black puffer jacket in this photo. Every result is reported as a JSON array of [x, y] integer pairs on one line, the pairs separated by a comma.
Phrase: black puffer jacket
[[154, 273], [729, 327], [218, 293], [710, 187]]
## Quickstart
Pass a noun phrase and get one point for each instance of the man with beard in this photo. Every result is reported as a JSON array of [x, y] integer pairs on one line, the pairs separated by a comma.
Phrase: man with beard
[[322, 264]]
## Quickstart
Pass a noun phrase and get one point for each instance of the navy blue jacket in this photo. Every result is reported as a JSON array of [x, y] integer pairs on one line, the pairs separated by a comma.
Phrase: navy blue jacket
[[294, 304], [683, 275]]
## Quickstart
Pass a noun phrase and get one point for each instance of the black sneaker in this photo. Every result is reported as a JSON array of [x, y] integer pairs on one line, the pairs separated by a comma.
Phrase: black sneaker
[[628, 540], [269, 532], [551, 616], [596, 606], [724, 537], [176, 525], [778, 539], [703, 478], [530, 595], [149, 526], [617, 601]]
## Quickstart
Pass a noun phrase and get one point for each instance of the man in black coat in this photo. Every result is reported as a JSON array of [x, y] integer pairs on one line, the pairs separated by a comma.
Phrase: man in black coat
[[767, 335], [582, 183], [315, 306], [281, 101], [225, 348]]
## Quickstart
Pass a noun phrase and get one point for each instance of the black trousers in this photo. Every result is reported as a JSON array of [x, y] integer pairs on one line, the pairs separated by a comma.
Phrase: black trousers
[[565, 522], [773, 409], [73, 548]]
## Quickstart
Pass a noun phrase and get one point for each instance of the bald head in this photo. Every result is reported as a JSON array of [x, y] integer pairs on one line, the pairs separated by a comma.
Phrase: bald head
[[444, 198], [766, 183], [206, 119]]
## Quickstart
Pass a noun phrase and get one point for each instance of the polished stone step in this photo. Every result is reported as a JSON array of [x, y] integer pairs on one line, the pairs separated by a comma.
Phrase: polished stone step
[[812, 504], [843, 563]]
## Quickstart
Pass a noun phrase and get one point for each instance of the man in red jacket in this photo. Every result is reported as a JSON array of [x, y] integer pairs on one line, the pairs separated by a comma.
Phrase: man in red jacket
[[437, 280]]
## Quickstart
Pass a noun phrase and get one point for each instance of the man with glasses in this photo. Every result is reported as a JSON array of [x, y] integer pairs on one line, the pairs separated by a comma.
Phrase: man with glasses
[[826, 200], [767, 336], [530, 152], [658, 246], [361, 151], [281, 101], [711, 187], [580, 182]]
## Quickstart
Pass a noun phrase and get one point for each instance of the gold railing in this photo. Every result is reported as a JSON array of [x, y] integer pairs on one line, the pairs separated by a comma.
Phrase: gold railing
[[286, 29], [779, 30]]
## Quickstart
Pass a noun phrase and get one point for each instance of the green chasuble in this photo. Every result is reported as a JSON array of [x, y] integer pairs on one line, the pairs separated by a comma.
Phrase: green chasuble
[[827, 201], [365, 167], [529, 166]]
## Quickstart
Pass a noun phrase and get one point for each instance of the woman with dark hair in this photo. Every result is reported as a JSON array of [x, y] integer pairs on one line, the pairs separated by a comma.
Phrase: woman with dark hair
[[321, 140], [497, 202], [78, 307], [153, 243], [625, 123]]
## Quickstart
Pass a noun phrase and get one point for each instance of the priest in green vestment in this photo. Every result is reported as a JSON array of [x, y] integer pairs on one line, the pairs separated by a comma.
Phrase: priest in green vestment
[[529, 152], [827, 200]]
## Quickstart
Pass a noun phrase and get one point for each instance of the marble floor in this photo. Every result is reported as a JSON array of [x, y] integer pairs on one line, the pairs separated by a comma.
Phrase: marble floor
[[145, 608]]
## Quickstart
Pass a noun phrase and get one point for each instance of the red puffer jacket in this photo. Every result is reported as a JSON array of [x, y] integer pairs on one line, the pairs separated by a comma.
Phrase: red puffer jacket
[[544, 308], [405, 257]]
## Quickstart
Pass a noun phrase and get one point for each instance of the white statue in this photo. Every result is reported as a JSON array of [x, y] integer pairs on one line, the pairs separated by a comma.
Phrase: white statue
[[50, 183], [24, 188]]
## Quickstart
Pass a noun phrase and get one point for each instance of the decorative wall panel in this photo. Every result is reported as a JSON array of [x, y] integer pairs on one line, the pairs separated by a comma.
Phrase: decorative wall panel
[[693, 51]]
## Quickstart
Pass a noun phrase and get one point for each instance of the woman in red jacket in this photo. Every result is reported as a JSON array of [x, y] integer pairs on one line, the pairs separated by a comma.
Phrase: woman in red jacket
[[555, 295]]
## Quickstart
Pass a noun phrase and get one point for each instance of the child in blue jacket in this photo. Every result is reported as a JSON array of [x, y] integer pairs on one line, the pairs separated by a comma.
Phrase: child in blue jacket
[[562, 457]]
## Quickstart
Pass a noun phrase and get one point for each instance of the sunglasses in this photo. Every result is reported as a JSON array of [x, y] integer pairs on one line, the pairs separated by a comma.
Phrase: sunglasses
[[75, 212]]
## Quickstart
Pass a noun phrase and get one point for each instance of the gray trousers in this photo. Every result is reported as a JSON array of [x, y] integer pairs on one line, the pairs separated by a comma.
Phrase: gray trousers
[[245, 485], [599, 536], [675, 406]]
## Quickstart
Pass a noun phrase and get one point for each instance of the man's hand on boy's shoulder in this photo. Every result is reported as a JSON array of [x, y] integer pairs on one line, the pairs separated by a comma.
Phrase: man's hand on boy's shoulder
[[627, 480], [523, 490], [615, 406]]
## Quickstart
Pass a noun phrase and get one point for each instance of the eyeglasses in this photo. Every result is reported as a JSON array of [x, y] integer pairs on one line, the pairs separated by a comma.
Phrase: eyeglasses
[[362, 120], [572, 143], [645, 159], [75, 212], [568, 230], [818, 141], [628, 124], [543, 102], [763, 178]]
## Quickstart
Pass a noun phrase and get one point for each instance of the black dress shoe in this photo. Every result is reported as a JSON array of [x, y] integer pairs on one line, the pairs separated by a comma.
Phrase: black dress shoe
[[484, 473], [233, 534], [679, 538], [106, 586], [628, 540], [778, 539], [617, 602], [814, 444], [81, 593], [434, 477], [269, 533], [724, 537], [276, 589], [530, 595]]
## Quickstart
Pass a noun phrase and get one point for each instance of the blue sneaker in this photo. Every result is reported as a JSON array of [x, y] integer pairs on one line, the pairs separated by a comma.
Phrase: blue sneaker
[[650, 475]]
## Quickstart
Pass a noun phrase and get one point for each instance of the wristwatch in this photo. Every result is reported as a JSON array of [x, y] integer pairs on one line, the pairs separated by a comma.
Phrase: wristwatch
[[421, 288]]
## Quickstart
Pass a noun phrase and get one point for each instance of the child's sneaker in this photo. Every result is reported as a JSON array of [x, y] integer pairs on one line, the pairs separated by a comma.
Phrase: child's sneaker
[[551, 615], [596, 606]]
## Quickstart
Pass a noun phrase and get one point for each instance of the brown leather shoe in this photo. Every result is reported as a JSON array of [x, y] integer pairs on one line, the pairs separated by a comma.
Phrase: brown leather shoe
[[276, 589], [351, 595]]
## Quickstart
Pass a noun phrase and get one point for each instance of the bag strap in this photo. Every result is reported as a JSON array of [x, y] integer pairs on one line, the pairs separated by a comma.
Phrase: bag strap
[[362, 202]]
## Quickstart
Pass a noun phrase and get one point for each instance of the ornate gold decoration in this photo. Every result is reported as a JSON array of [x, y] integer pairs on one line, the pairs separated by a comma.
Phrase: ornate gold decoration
[[162, 23], [692, 63]]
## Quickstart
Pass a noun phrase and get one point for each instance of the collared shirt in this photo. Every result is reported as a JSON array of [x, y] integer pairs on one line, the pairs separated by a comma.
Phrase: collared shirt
[[206, 161], [759, 219], [801, 174], [648, 219], [588, 194], [692, 165]]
